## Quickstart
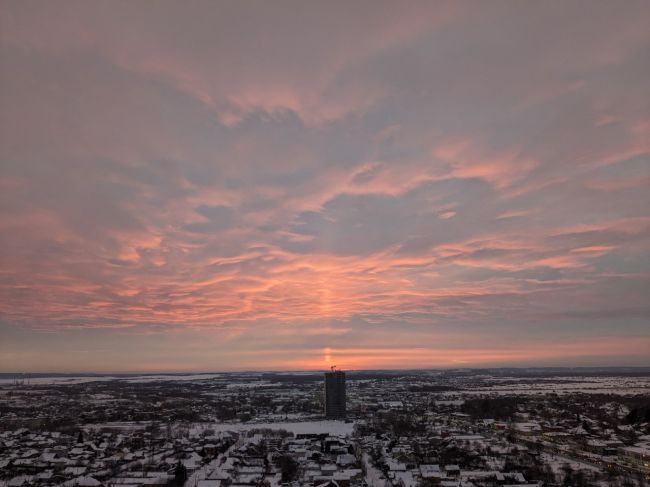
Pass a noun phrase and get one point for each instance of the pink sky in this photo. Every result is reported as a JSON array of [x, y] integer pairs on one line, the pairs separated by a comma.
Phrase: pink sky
[[286, 185]]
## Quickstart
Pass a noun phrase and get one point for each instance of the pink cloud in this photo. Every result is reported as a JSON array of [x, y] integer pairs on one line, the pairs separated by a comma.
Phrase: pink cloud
[[207, 170]]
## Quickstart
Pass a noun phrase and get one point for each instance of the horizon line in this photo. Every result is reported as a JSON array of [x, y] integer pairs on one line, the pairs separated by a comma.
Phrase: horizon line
[[270, 371]]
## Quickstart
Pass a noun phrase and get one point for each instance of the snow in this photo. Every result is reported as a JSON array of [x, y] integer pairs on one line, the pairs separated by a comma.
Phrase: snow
[[338, 428]]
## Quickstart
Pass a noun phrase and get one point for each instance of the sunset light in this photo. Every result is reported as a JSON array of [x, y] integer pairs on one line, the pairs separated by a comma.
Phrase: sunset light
[[208, 186]]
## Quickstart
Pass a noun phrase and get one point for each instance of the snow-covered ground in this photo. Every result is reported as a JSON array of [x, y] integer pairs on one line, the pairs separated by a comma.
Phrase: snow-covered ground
[[301, 427], [567, 385], [26, 379]]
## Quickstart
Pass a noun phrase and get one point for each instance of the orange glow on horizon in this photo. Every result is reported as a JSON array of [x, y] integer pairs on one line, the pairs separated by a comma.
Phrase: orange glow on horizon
[[404, 358]]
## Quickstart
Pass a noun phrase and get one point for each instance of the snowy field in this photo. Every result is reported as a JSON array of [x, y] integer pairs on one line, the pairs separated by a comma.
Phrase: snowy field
[[297, 428], [567, 385], [56, 380], [499, 385], [196, 429], [103, 378]]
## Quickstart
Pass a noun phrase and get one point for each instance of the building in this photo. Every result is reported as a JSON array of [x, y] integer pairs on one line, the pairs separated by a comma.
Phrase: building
[[335, 394], [635, 455]]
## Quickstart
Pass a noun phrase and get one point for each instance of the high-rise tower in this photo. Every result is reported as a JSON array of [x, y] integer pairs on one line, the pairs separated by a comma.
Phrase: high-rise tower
[[335, 394]]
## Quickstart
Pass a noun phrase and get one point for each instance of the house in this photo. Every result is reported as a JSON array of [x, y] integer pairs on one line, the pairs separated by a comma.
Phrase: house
[[635, 455]]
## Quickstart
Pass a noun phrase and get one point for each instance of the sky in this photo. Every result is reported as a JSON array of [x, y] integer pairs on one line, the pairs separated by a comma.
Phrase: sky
[[285, 185]]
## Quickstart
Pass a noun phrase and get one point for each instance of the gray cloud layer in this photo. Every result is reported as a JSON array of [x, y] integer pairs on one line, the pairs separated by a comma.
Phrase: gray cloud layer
[[468, 180]]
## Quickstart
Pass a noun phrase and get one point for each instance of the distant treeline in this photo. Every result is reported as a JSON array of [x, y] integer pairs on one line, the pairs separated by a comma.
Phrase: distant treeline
[[318, 377], [431, 388], [364, 374]]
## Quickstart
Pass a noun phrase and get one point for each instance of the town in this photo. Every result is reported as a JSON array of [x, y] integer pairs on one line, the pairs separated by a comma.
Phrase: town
[[502, 427]]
